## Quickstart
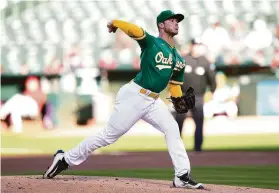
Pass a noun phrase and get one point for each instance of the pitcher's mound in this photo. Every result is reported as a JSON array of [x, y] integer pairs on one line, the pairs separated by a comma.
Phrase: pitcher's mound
[[63, 184]]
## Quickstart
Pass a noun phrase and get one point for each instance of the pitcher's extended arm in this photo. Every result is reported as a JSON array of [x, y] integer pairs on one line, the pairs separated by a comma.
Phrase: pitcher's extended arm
[[130, 29]]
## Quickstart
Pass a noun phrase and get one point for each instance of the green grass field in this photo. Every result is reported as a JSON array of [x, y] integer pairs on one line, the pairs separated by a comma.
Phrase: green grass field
[[249, 176], [25, 144]]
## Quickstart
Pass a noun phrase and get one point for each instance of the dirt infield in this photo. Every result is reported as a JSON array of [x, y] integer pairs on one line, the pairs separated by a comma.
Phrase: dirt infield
[[142, 160], [63, 184], [35, 184]]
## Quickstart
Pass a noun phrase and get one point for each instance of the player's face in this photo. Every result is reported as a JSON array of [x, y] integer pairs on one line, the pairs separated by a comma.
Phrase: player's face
[[171, 26]]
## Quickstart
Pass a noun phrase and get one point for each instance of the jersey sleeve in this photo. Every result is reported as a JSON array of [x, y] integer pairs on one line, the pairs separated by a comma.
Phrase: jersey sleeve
[[137, 33], [178, 78], [145, 41], [175, 90]]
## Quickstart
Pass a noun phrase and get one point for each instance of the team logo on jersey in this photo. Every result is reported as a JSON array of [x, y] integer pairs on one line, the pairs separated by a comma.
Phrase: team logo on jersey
[[162, 61], [179, 65]]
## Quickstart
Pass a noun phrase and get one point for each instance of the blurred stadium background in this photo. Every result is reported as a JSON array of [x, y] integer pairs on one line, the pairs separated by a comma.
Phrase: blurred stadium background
[[61, 54]]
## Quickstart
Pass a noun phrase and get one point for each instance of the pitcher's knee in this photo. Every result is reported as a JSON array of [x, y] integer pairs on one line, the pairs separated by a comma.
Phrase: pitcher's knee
[[173, 129]]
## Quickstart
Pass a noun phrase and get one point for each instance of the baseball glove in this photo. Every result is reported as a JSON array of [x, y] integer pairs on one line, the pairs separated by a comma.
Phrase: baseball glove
[[184, 103]]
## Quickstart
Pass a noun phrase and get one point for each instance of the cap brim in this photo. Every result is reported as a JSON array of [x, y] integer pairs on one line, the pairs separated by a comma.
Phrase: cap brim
[[178, 16]]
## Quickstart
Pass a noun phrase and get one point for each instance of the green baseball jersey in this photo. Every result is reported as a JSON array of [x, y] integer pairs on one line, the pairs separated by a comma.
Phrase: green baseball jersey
[[160, 64]]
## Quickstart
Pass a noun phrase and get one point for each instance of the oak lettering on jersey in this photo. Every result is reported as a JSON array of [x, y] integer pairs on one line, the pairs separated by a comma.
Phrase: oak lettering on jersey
[[159, 58]]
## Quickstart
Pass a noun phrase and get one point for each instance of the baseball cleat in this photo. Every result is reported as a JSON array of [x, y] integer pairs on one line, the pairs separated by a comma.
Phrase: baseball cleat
[[58, 165], [185, 181]]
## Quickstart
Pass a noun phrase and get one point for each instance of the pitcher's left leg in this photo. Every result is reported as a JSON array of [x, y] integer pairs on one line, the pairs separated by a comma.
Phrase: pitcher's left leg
[[160, 118]]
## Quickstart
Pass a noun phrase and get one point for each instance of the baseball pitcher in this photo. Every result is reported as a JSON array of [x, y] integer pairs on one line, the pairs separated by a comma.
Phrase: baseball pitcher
[[161, 66]]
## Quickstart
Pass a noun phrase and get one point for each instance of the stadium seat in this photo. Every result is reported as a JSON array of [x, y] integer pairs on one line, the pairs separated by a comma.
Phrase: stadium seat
[[84, 22]]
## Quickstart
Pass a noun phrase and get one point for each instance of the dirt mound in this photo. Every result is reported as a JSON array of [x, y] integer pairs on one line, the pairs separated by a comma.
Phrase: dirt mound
[[63, 184]]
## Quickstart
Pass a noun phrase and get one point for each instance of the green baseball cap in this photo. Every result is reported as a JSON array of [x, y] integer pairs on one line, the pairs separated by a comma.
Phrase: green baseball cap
[[167, 14]]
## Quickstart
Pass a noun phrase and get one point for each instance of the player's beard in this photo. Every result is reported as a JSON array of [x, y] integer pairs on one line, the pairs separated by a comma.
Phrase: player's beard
[[171, 31]]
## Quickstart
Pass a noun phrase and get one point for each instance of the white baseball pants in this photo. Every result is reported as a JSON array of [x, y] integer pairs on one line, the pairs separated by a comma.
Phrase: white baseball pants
[[131, 106]]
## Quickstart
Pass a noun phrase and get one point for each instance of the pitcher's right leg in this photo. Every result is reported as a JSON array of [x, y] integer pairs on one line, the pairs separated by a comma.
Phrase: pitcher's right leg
[[80, 153], [129, 108]]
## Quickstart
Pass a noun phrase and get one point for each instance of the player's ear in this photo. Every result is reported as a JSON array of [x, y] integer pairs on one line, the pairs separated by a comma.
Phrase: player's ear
[[160, 25]]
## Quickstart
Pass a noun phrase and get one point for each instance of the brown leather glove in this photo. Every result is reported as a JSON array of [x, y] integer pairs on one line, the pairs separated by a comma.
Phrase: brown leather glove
[[184, 103]]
